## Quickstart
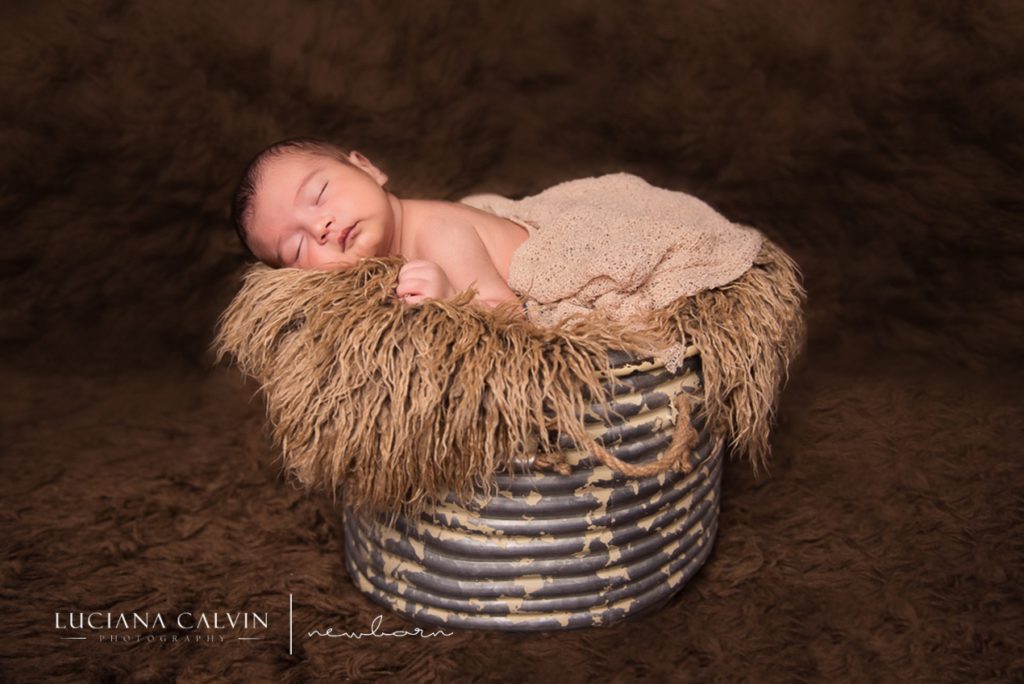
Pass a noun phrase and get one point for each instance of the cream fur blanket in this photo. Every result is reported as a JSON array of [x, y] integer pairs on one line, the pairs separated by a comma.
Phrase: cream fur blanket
[[617, 245]]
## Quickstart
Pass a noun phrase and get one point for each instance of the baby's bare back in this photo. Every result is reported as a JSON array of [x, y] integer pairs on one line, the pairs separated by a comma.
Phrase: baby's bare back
[[500, 236]]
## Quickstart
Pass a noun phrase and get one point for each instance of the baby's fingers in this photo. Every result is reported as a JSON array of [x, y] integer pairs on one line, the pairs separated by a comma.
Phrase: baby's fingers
[[413, 290], [409, 293], [413, 299], [410, 286]]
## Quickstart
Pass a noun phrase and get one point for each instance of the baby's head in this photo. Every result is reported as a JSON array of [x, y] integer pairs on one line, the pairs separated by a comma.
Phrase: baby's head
[[306, 203]]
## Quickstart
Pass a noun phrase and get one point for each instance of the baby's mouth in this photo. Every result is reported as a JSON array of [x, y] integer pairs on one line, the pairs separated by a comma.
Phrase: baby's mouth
[[343, 238]]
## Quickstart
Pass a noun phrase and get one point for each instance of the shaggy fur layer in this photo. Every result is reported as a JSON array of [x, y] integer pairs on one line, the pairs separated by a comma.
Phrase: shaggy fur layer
[[397, 405], [748, 333]]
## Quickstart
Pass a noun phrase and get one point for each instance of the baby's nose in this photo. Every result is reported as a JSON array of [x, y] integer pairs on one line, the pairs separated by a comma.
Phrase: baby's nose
[[325, 228]]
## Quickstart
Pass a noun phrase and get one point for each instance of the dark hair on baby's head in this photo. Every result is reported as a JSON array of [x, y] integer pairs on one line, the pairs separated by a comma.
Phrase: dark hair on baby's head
[[241, 203]]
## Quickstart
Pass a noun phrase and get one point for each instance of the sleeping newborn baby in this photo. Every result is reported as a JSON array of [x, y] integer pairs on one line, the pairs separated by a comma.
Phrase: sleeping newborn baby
[[305, 203], [614, 243]]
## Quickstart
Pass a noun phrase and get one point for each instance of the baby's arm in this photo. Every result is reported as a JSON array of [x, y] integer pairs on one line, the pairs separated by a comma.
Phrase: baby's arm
[[455, 246]]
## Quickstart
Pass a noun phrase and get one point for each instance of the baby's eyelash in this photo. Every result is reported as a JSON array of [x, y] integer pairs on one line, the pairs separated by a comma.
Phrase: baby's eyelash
[[318, 197], [298, 247]]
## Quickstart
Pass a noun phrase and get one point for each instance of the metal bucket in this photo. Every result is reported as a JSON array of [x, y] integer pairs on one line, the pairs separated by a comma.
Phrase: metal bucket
[[552, 551]]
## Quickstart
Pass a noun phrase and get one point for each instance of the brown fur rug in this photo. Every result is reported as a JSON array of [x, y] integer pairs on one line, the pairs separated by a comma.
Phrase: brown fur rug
[[879, 145], [397, 406]]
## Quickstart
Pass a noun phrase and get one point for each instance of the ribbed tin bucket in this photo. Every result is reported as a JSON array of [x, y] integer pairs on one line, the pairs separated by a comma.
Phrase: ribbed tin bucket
[[552, 551]]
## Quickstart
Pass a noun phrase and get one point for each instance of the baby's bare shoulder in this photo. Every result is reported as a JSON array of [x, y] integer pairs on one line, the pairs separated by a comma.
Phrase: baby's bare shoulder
[[441, 221], [437, 213]]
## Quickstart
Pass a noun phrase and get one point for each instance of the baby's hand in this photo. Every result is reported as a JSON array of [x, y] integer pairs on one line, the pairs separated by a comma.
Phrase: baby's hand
[[420, 280]]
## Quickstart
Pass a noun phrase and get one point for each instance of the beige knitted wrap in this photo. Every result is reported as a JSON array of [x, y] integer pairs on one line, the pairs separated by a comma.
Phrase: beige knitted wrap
[[618, 245]]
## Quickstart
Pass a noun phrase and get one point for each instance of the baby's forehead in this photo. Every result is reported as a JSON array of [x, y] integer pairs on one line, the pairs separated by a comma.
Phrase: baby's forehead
[[283, 174], [288, 161], [281, 177], [277, 180]]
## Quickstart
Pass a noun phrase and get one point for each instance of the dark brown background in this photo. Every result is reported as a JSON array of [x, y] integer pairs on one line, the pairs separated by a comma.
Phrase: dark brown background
[[881, 146]]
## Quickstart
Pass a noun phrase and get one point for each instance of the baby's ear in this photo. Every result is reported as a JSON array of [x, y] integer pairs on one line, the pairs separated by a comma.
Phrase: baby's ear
[[359, 160]]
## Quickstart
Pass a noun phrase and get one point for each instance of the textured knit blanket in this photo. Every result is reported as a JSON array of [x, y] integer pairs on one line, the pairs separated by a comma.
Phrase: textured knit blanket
[[618, 245]]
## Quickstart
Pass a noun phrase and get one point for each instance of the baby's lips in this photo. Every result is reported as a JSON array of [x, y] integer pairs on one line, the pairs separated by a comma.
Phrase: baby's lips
[[343, 236]]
